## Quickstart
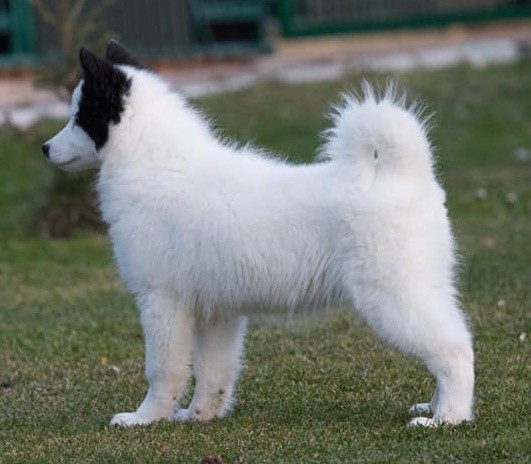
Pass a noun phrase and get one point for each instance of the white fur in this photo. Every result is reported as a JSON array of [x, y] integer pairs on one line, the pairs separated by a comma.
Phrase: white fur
[[205, 233], [72, 149]]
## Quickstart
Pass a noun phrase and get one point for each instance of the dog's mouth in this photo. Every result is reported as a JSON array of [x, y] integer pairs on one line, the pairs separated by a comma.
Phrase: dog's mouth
[[68, 163]]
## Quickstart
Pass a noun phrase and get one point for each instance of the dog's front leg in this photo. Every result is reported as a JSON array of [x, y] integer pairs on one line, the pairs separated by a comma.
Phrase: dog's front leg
[[217, 363], [168, 334]]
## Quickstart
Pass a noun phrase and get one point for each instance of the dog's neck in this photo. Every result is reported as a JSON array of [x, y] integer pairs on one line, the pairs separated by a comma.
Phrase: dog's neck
[[157, 128]]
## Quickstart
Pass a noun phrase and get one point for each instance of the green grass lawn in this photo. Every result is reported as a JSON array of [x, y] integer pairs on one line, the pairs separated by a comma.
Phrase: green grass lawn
[[71, 349]]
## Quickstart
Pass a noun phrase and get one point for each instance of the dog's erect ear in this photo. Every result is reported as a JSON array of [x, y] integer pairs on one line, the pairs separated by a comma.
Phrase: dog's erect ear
[[103, 96], [94, 68], [118, 54]]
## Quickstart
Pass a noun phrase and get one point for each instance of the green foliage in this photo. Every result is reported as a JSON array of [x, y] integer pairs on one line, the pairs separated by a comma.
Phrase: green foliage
[[23, 181], [68, 202], [71, 350], [49, 203]]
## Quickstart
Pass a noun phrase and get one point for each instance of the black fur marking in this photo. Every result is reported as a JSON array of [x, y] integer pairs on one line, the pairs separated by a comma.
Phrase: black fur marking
[[118, 54], [103, 93]]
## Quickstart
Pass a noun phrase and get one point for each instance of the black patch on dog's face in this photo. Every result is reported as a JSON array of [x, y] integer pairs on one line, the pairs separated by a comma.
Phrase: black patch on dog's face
[[103, 96]]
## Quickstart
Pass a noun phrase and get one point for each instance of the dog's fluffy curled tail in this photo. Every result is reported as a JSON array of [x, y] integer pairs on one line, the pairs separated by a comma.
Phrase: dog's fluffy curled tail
[[378, 134]]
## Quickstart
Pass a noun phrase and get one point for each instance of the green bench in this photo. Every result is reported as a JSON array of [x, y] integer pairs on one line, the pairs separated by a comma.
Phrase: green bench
[[229, 27]]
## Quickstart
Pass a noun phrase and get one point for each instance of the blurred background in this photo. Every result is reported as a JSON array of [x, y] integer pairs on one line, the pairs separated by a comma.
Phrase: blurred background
[[42, 37], [206, 47], [265, 71], [32, 30]]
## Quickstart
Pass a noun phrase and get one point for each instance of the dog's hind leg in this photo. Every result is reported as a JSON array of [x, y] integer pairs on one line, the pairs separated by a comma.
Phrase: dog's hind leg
[[168, 331], [428, 324], [452, 364], [216, 363]]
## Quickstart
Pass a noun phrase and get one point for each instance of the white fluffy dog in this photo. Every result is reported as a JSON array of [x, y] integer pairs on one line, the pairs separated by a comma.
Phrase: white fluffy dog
[[205, 233]]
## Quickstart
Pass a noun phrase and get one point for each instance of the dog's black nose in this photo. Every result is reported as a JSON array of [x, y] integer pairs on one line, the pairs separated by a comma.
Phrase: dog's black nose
[[46, 150]]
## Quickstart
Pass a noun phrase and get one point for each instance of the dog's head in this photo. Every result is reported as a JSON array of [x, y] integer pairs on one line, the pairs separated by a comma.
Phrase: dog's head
[[97, 104]]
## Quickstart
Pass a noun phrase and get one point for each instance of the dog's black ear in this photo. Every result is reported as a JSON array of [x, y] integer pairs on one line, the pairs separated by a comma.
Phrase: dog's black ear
[[103, 96], [118, 54], [93, 67]]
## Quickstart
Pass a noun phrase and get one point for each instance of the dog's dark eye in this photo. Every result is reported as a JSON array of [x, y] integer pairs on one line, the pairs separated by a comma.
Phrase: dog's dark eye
[[76, 119], [375, 155]]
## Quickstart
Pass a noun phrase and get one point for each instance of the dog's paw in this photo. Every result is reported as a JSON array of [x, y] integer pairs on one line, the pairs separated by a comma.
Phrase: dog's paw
[[420, 409], [425, 422], [182, 415], [129, 419]]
